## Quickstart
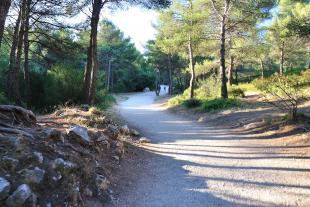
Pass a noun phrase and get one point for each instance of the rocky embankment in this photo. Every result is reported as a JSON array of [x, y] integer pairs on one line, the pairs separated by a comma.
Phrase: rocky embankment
[[62, 159]]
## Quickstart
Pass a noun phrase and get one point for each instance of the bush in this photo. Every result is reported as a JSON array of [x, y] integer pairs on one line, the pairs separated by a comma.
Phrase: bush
[[62, 83], [236, 92], [208, 88], [192, 103], [219, 104], [3, 98], [104, 99], [285, 92], [177, 100]]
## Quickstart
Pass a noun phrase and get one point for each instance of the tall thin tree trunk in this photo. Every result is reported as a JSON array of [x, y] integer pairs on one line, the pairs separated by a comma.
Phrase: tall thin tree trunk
[[192, 67], [16, 90], [236, 76], [262, 67], [170, 74], [90, 76], [224, 93], [4, 9], [231, 70], [26, 52], [282, 59], [14, 46]]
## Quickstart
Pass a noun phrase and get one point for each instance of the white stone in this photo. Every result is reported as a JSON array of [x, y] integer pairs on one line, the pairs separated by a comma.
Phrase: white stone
[[5, 187]]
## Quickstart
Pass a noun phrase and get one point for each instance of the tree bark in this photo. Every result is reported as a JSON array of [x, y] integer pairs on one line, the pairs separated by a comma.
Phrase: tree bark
[[26, 52], [192, 67], [224, 93], [4, 9], [262, 67], [11, 75], [231, 70], [170, 74], [90, 75], [16, 91], [236, 76], [282, 58]]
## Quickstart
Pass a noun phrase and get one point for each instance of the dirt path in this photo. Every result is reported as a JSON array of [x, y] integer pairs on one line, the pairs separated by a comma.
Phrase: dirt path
[[195, 165]]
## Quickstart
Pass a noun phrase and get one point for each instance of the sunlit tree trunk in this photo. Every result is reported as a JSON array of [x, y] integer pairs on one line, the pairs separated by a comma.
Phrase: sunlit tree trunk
[[192, 67], [224, 93], [262, 68], [170, 74], [231, 70], [90, 75], [282, 59]]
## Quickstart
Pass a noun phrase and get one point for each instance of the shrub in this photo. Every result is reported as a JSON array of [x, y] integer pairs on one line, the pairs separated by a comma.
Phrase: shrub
[[192, 103], [219, 104], [209, 87], [175, 101], [284, 92], [3, 98], [104, 99], [62, 84], [236, 92]]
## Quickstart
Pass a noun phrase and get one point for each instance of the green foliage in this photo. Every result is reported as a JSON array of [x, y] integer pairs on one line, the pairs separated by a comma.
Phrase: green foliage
[[286, 92], [192, 103], [176, 101], [3, 98], [236, 92], [63, 83], [219, 104], [104, 99], [208, 87]]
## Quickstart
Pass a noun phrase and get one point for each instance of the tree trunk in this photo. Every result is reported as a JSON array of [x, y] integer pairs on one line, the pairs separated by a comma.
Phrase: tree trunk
[[16, 91], [26, 52], [11, 75], [170, 74], [231, 70], [192, 67], [4, 9], [262, 67], [236, 76], [90, 75], [282, 59], [224, 93]]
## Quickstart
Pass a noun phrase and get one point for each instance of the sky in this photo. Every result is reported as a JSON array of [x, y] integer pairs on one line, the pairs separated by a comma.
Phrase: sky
[[135, 23]]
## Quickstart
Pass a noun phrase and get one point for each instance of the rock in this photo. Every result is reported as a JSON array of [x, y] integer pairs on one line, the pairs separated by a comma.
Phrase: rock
[[19, 197], [57, 177], [144, 140], [5, 187], [102, 183], [88, 192], [113, 128], [125, 130], [147, 89], [39, 157], [17, 143], [34, 176], [85, 107], [54, 134], [116, 158], [102, 138], [135, 132], [119, 150], [9, 163], [63, 166], [80, 133]]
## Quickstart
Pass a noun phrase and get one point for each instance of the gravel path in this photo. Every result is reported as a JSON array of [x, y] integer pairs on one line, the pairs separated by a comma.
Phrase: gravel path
[[196, 165]]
